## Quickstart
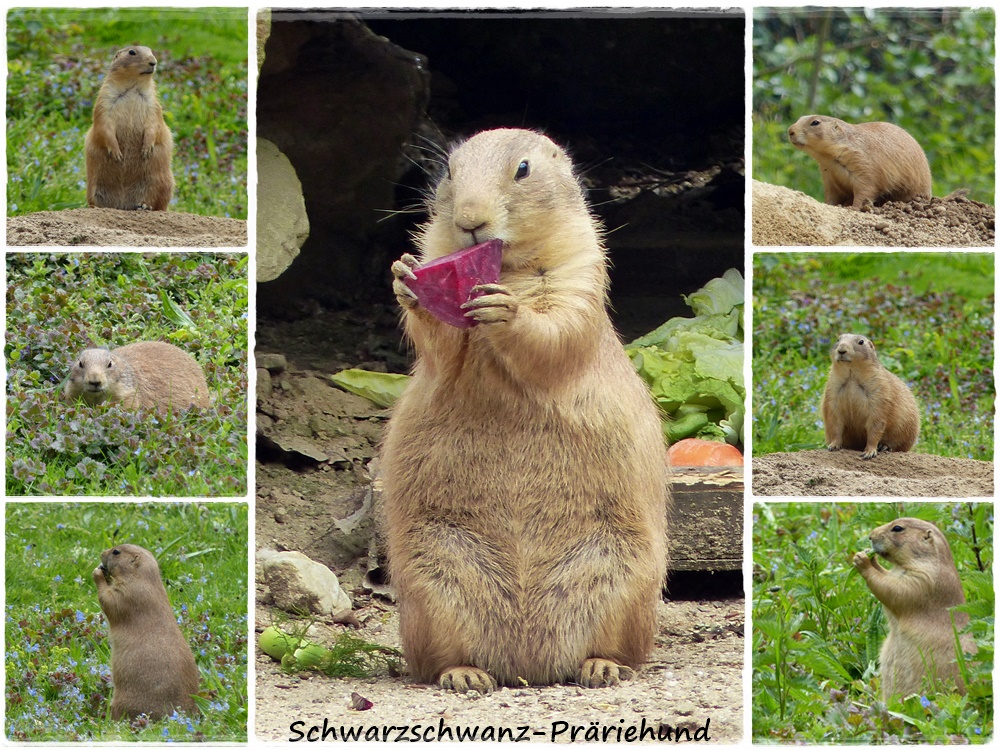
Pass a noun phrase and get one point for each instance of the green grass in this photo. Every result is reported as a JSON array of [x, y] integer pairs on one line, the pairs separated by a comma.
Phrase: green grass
[[817, 629], [60, 304], [929, 314], [57, 654], [57, 58]]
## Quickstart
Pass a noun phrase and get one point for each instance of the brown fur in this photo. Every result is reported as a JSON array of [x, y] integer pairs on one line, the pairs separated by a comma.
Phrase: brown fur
[[525, 471], [152, 666], [917, 595], [870, 161], [129, 146], [866, 407], [150, 374]]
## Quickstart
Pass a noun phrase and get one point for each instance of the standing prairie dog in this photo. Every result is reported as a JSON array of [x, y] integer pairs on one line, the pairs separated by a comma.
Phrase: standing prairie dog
[[917, 595], [151, 374], [525, 470], [870, 161], [866, 407], [129, 146], [152, 667]]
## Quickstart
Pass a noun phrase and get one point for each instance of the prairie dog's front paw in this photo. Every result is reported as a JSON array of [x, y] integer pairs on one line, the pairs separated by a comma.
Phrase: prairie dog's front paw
[[402, 270], [496, 305], [861, 560], [834, 446]]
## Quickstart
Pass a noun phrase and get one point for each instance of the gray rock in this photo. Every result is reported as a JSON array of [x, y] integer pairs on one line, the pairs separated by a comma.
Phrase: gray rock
[[282, 223], [273, 363], [301, 586], [263, 384]]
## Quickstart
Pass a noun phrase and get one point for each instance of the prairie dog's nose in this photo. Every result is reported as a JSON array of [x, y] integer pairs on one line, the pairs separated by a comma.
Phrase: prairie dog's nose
[[471, 216]]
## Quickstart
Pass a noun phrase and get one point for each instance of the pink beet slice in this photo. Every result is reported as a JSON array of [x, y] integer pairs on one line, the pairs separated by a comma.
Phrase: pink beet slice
[[445, 284]]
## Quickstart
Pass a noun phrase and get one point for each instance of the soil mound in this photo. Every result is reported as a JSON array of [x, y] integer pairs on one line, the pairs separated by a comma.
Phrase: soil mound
[[787, 217], [112, 227], [844, 474]]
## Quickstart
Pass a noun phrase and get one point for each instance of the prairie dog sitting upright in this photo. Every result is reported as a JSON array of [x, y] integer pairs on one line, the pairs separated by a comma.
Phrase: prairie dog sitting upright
[[525, 467]]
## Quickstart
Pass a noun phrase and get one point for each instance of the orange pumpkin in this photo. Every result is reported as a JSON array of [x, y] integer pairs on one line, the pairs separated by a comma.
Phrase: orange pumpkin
[[696, 452]]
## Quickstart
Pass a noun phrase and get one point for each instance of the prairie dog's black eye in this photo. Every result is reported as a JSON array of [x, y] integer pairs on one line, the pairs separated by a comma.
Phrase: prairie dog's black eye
[[523, 170], [861, 342], [110, 364], [814, 122], [131, 51], [80, 364], [116, 552], [897, 528]]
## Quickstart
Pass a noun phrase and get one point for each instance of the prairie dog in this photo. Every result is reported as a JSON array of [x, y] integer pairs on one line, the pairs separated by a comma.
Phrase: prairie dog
[[868, 162], [152, 666], [129, 146], [866, 407], [151, 374], [917, 595], [525, 467]]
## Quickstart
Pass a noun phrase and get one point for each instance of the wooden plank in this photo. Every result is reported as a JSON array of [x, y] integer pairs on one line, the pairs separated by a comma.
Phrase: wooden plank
[[705, 524]]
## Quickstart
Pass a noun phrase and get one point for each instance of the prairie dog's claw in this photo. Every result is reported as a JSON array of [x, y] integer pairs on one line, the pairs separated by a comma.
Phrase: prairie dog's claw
[[465, 679], [491, 289], [597, 672], [404, 295], [496, 306], [403, 268]]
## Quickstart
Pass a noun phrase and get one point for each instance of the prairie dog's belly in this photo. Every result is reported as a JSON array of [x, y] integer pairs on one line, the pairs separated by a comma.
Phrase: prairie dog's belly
[[128, 115], [853, 402]]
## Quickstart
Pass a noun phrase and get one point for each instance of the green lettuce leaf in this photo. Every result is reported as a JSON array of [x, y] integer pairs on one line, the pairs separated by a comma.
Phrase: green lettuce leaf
[[381, 388], [694, 366]]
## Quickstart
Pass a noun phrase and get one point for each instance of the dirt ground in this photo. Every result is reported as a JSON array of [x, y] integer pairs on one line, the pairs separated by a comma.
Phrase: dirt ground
[[110, 227], [844, 474], [694, 678], [316, 446], [787, 217]]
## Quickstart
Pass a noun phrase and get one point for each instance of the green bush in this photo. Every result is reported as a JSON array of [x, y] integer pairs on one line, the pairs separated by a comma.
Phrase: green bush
[[817, 629], [56, 61], [57, 654], [930, 316], [928, 71], [60, 304]]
